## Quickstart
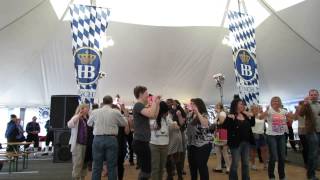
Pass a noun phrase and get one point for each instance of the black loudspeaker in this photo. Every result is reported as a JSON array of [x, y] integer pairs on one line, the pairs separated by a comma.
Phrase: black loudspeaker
[[61, 151], [62, 108]]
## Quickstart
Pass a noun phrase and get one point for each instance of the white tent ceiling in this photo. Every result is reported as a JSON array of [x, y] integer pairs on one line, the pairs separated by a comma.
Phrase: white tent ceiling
[[36, 58]]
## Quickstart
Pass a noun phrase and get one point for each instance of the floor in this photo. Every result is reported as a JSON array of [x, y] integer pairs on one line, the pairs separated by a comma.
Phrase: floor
[[43, 169]]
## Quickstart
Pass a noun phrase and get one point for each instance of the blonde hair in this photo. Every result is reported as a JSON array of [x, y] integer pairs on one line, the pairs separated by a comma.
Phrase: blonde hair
[[220, 105], [276, 98], [256, 107], [80, 107]]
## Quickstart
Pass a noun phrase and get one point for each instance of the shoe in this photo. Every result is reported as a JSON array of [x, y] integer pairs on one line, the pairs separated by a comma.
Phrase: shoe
[[254, 167], [137, 167], [184, 173], [131, 163], [265, 167], [217, 170]]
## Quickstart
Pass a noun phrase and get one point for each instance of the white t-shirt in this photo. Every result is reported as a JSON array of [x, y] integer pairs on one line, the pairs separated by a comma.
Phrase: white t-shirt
[[277, 122], [161, 136], [258, 128]]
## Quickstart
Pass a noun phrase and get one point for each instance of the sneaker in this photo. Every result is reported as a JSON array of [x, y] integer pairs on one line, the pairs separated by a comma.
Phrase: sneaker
[[265, 167], [217, 170], [131, 163], [254, 167]]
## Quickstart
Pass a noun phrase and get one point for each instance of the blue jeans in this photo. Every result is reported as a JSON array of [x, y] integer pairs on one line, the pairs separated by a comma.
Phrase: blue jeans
[[241, 152], [312, 141], [277, 152], [104, 148]]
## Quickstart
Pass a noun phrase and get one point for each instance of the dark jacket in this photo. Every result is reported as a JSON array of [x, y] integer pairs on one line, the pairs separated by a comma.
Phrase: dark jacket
[[234, 135], [12, 131], [32, 126]]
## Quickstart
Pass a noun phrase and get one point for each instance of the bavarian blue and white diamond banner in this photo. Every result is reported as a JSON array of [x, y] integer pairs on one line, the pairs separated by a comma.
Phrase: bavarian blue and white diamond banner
[[88, 26], [242, 36]]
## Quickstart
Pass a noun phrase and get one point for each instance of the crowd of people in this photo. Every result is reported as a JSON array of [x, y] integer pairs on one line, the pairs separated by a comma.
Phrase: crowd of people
[[163, 134], [15, 132]]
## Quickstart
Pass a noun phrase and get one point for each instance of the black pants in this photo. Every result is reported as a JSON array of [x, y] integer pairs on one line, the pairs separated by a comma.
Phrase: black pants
[[198, 159], [304, 144], [291, 139], [142, 150], [174, 161], [33, 137], [12, 148], [122, 151], [49, 137], [130, 139]]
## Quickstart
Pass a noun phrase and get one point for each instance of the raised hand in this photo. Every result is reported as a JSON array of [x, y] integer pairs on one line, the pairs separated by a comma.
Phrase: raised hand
[[157, 99], [232, 116], [178, 113], [249, 114]]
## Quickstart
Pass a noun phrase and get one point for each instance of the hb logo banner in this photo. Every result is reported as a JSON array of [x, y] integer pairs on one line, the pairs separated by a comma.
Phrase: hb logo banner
[[242, 32], [245, 64], [87, 65], [88, 26]]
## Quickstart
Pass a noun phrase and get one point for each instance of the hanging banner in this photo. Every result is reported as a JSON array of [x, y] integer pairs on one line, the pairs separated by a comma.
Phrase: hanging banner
[[242, 36], [88, 26]]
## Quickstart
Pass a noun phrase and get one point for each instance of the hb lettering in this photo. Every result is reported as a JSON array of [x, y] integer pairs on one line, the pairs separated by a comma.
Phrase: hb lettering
[[246, 70], [86, 71]]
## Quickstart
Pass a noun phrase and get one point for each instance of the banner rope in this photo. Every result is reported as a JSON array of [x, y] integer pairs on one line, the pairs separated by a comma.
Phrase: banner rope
[[272, 11], [22, 16]]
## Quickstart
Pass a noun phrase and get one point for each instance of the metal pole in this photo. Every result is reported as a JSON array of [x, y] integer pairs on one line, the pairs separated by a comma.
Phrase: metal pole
[[221, 94]]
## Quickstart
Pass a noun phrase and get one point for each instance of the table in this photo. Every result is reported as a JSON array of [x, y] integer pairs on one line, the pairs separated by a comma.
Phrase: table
[[15, 154]]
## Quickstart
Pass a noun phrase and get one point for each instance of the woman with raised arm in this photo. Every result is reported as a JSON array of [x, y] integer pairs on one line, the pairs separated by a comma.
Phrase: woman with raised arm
[[277, 127], [159, 141], [240, 136], [199, 140], [79, 141], [220, 139]]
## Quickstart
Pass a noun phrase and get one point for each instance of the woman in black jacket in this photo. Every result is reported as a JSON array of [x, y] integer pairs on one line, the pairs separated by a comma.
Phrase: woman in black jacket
[[240, 136]]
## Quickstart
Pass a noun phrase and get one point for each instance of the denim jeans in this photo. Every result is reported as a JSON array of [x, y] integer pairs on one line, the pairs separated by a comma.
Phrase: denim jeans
[[198, 159], [277, 151], [241, 152], [312, 140], [104, 148]]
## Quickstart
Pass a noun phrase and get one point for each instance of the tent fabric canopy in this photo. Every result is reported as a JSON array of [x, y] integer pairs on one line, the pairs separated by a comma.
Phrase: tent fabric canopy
[[176, 62]]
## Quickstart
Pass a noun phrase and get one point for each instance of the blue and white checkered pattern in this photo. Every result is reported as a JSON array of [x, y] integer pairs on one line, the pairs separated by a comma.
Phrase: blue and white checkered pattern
[[88, 26], [242, 33]]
